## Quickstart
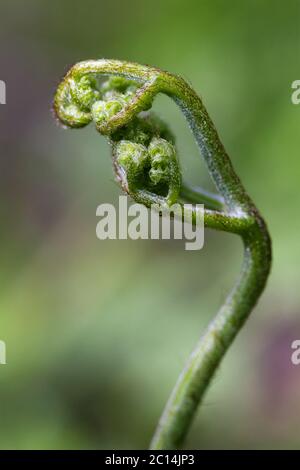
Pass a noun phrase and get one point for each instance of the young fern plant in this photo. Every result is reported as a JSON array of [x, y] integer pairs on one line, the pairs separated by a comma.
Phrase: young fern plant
[[146, 166]]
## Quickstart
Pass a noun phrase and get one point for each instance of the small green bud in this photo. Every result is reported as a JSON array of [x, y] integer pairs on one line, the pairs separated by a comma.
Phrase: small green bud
[[74, 117], [104, 110], [161, 154], [130, 154], [159, 170], [84, 92], [116, 83], [162, 147]]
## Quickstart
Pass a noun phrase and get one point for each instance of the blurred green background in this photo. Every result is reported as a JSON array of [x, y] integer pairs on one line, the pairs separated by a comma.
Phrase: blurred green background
[[98, 331]]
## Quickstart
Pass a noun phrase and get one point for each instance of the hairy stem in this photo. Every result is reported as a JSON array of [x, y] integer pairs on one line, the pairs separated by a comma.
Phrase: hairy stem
[[202, 364], [198, 195], [210, 350], [146, 166]]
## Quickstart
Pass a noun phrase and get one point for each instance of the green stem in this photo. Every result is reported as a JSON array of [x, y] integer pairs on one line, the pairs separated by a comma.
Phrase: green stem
[[203, 362], [198, 195], [233, 211]]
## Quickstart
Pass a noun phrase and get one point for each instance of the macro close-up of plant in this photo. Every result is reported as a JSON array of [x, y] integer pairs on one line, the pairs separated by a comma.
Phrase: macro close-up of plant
[[117, 98], [150, 255]]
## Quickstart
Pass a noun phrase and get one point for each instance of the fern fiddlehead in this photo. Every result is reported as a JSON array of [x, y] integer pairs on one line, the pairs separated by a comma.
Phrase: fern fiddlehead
[[146, 165]]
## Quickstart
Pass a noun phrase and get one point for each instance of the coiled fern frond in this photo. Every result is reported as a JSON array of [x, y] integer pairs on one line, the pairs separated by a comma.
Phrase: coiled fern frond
[[117, 97]]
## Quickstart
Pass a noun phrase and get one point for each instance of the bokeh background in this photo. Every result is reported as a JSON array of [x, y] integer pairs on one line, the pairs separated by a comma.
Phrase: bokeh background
[[98, 331]]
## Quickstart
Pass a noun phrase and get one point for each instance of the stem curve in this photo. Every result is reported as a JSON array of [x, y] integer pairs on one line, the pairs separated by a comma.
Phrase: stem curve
[[144, 154], [210, 350]]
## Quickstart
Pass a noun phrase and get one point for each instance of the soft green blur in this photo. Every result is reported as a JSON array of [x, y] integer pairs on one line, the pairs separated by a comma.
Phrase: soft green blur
[[98, 331]]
